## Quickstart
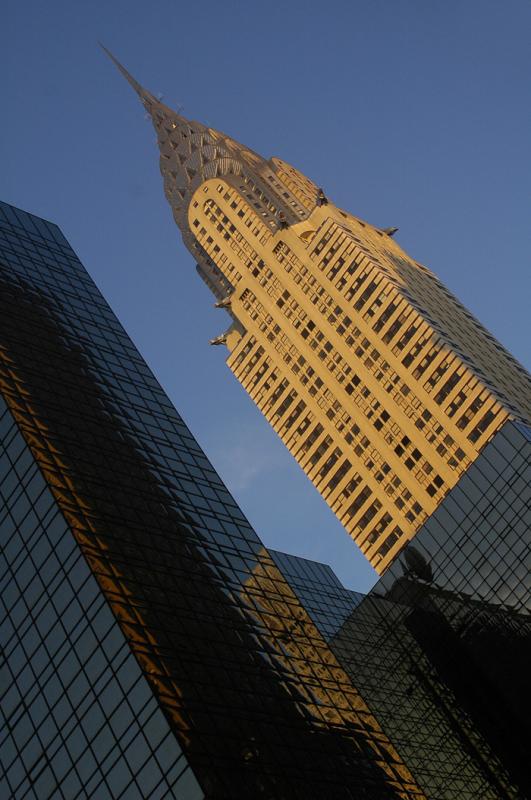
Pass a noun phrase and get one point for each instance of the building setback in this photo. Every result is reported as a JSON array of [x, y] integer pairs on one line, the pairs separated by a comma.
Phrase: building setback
[[377, 379]]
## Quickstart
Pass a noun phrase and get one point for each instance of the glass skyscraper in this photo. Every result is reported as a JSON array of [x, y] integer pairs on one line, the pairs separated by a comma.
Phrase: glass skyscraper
[[152, 646], [440, 648]]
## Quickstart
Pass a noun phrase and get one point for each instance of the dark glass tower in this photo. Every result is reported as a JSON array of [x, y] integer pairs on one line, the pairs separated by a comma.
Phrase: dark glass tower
[[440, 649], [152, 646]]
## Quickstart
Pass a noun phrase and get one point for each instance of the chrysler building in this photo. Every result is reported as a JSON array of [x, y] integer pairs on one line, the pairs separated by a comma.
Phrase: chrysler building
[[376, 378]]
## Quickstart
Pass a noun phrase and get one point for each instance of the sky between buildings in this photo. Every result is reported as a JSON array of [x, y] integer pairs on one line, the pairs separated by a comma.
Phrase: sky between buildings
[[413, 113]]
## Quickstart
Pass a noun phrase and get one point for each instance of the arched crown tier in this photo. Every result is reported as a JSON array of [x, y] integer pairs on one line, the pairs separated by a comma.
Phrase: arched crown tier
[[191, 153]]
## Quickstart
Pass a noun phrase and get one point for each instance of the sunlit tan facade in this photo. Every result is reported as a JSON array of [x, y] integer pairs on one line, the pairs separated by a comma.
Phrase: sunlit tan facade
[[379, 382]]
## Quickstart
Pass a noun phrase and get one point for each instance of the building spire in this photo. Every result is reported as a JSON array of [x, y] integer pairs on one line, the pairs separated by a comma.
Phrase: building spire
[[146, 97], [191, 153]]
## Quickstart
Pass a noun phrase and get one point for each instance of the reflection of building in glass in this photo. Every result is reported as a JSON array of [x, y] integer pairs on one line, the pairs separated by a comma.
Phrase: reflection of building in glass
[[440, 649], [152, 646], [382, 385]]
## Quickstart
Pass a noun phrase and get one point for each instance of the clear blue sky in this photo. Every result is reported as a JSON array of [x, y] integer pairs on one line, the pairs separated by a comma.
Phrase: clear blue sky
[[413, 113]]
